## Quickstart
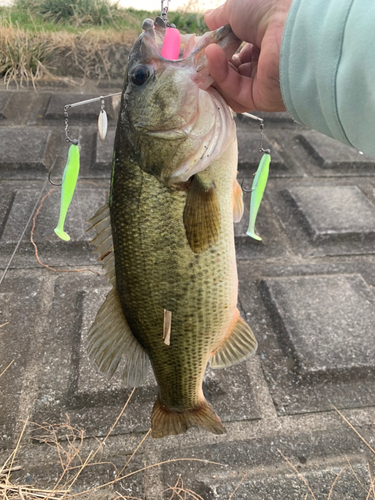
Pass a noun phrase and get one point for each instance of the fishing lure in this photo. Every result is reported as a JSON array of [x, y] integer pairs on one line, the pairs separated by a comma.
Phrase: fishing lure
[[171, 44], [102, 122], [69, 182], [257, 191]]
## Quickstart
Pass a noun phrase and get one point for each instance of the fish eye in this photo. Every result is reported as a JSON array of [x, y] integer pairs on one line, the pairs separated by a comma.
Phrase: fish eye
[[140, 74]]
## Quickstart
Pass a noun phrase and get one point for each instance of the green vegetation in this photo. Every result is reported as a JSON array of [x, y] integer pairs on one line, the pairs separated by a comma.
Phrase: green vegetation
[[32, 31], [56, 15]]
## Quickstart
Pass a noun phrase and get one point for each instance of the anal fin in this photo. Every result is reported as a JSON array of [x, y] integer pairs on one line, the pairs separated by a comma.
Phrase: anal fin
[[111, 339], [165, 422], [239, 344], [201, 215]]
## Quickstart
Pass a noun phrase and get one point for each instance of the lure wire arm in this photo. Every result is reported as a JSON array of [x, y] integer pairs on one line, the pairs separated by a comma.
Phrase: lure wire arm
[[88, 101], [253, 117]]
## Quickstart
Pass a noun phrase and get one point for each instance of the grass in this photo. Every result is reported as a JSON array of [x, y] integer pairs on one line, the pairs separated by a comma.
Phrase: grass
[[22, 54], [68, 444], [35, 32]]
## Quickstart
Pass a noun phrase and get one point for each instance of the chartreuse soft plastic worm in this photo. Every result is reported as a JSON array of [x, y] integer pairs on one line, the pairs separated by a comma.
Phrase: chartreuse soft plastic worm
[[257, 191], [69, 182]]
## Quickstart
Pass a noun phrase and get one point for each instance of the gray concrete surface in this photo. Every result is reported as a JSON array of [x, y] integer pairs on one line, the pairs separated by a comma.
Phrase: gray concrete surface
[[307, 290]]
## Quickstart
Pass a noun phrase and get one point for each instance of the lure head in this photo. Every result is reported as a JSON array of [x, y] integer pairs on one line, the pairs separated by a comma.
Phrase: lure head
[[175, 123]]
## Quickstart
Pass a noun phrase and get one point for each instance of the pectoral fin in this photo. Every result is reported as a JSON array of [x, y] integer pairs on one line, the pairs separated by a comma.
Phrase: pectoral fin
[[202, 215], [237, 346], [237, 202]]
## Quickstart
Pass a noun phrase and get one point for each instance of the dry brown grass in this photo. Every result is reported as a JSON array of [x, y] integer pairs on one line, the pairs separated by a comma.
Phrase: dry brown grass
[[27, 56], [22, 55], [370, 492], [67, 442]]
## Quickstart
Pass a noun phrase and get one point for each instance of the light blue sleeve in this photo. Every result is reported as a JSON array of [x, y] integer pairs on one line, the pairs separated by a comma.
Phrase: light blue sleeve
[[327, 69]]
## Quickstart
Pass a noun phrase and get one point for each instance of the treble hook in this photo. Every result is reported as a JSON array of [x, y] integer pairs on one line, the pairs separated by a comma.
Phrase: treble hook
[[50, 172]]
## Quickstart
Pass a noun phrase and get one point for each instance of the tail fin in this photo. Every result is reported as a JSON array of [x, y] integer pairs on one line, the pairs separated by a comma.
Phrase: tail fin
[[166, 422]]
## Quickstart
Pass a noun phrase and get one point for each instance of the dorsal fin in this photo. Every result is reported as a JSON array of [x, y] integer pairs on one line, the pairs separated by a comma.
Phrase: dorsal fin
[[239, 344], [202, 215]]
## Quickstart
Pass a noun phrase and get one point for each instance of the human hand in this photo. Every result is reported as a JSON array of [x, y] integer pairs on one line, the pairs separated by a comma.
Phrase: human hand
[[251, 80]]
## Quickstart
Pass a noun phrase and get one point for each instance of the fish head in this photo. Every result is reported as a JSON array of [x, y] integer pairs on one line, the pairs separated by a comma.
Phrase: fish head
[[175, 122]]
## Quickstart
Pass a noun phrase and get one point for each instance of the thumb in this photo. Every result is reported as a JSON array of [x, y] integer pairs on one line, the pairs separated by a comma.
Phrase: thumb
[[216, 18]]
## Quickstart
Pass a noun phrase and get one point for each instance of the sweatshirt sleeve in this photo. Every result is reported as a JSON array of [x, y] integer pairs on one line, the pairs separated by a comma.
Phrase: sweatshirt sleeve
[[327, 69]]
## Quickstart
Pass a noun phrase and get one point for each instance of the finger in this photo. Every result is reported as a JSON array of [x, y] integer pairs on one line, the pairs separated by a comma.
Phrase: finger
[[248, 69], [230, 83], [255, 53], [237, 108], [236, 61], [216, 18], [246, 54]]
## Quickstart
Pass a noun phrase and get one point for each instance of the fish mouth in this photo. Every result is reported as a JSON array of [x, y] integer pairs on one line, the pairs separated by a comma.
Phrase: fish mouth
[[148, 47], [180, 131], [167, 135]]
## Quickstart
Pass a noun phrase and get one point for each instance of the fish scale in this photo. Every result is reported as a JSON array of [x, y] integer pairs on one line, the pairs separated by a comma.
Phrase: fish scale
[[164, 273], [166, 239]]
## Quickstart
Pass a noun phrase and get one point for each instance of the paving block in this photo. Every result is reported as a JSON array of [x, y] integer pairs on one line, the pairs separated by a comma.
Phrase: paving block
[[17, 206], [266, 227], [313, 338], [320, 321], [6, 202], [279, 485], [25, 148], [33, 150], [104, 151], [55, 107], [257, 463], [88, 397], [331, 212], [331, 154], [41, 465], [18, 306], [249, 156], [325, 219], [5, 98]]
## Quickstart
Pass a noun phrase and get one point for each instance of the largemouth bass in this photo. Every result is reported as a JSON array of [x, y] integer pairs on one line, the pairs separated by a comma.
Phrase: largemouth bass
[[166, 238]]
